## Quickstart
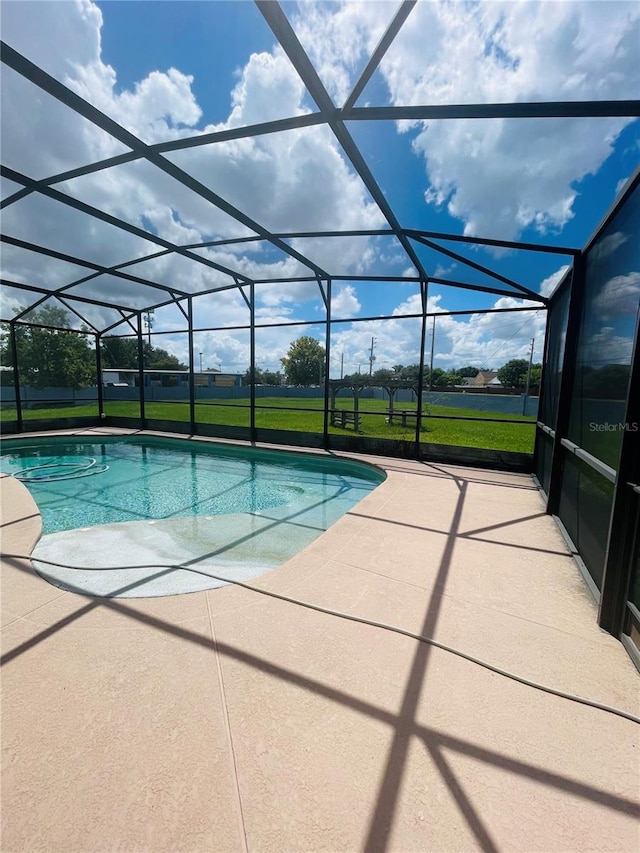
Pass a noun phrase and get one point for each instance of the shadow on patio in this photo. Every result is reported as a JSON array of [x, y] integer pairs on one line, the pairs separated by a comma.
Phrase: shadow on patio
[[224, 720]]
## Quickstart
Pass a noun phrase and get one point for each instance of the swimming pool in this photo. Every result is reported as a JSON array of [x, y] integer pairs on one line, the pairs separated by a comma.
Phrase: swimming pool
[[233, 511]]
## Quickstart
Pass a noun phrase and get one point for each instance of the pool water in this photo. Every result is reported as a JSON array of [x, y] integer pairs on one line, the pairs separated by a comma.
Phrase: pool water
[[171, 501], [150, 479]]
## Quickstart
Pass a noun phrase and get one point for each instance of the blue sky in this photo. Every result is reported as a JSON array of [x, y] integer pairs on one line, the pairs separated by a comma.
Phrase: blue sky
[[171, 69]]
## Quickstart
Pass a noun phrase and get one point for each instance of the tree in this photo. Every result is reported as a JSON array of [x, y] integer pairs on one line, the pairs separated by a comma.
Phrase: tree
[[119, 352], [513, 374], [410, 373], [536, 376], [50, 357], [253, 376], [122, 353], [384, 375], [304, 362], [610, 382], [469, 371], [407, 374], [445, 378], [454, 377], [262, 377], [159, 359], [269, 377]]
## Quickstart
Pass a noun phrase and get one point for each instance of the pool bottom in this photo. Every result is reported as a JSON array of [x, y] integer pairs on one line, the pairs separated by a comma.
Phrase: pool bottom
[[239, 547]]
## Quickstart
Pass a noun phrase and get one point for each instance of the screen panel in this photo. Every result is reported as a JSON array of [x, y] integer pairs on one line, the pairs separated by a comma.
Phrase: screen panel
[[606, 337]]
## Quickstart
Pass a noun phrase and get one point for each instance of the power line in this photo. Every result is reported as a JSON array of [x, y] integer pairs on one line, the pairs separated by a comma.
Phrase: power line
[[504, 343]]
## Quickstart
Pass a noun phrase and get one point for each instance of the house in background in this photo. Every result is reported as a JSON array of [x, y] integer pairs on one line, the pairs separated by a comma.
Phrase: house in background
[[484, 379]]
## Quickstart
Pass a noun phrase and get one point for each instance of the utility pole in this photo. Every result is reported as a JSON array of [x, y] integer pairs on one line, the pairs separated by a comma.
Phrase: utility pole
[[433, 343], [148, 319], [526, 388], [341, 365], [372, 357]]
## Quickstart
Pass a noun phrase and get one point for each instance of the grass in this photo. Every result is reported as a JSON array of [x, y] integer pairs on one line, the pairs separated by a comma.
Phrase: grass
[[604, 445], [306, 415]]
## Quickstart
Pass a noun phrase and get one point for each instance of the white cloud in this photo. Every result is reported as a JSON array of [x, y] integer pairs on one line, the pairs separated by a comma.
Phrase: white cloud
[[489, 340], [497, 176], [339, 38], [223, 350], [607, 347], [621, 183], [282, 297], [396, 342], [12, 305], [64, 38], [291, 181], [442, 270], [344, 302], [168, 92], [551, 282], [501, 176], [413, 305], [253, 98], [619, 297], [608, 245], [56, 23], [484, 340], [225, 307]]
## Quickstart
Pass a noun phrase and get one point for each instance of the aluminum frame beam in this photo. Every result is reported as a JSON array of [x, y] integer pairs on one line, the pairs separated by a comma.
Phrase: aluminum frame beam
[[546, 109], [70, 99], [381, 48], [329, 114], [283, 31], [480, 268]]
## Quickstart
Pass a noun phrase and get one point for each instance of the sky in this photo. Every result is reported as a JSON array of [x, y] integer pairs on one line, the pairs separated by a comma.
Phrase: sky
[[166, 70]]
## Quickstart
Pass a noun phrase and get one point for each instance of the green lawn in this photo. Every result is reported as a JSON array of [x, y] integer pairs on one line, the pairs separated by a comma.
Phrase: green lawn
[[84, 411], [290, 413]]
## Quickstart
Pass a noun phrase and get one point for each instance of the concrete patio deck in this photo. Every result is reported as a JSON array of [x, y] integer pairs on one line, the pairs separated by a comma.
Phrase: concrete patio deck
[[228, 721]]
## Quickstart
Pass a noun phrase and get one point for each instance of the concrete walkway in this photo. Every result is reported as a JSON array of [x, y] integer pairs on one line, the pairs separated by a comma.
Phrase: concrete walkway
[[228, 721]]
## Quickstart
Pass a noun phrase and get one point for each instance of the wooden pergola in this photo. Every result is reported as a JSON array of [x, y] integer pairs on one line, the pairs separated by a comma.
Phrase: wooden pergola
[[357, 384]]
